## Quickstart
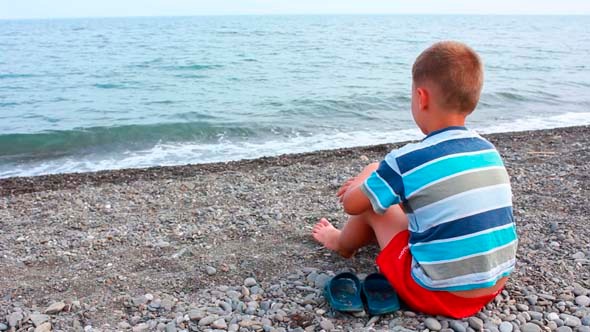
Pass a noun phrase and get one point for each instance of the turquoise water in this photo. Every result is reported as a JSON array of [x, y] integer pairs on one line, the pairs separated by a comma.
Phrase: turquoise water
[[91, 94]]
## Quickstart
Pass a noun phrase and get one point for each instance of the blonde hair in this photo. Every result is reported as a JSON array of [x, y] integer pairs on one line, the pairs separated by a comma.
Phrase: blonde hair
[[456, 70]]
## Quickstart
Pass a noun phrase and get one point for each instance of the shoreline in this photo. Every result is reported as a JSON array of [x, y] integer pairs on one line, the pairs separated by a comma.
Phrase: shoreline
[[29, 184], [228, 246]]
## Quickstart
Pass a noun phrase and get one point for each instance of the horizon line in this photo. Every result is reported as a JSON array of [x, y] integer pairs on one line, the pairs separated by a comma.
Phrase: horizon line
[[290, 14]]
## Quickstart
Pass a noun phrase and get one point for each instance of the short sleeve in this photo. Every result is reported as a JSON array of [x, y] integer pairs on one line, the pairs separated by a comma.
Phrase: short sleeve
[[384, 187]]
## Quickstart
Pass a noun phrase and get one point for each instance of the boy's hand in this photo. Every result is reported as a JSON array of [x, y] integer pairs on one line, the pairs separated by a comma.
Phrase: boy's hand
[[344, 188]]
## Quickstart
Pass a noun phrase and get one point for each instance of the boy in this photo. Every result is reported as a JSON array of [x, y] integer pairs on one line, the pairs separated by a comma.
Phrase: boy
[[440, 209]]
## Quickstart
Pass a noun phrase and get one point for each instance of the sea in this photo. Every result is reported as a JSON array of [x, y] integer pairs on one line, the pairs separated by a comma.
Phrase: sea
[[92, 94]]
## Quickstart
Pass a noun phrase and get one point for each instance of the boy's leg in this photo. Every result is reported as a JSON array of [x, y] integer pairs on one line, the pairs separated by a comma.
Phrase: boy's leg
[[361, 230]]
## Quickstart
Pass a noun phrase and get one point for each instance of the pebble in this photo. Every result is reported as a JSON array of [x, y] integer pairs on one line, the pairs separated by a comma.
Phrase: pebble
[[432, 324], [207, 320], [564, 329], [326, 325], [530, 327], [583, 329], [3, 327], [210, 270], [570, 320], [55, 308], [14, 319], [45, 327], [457, 326], [149, 297], [219, 324], [249, 282], [475, 323], [578, 255], [141, 327], [586, 320], [583, 300], [522, 307], [38, 319], [505, 327]]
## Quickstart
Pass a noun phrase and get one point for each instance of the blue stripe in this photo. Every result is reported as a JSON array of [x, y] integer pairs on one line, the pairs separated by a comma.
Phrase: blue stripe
[[465, 287], [393, 179], [419, 157], [449, 166], [472, 224], [380, 193], [433, 252]]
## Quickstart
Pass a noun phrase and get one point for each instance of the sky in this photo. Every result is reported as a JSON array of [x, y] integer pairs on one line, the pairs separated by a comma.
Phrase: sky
[[14, 9]]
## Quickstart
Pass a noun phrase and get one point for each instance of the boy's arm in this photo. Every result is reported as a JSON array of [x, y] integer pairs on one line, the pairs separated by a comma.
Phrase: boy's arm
[[354, 201]]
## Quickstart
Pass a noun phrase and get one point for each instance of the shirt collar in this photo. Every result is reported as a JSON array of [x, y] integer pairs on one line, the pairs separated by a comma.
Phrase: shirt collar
[[444, 129]]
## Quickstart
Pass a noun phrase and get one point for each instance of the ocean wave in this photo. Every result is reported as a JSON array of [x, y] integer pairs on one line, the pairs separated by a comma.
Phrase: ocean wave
[[170, 153]]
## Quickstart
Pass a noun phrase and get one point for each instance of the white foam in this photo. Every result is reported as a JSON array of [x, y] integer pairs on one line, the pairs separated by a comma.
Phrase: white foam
[[225, 150]]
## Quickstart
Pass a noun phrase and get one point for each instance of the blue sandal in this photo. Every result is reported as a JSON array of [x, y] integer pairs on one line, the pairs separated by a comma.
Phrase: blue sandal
[[381, 298], [343, 292]]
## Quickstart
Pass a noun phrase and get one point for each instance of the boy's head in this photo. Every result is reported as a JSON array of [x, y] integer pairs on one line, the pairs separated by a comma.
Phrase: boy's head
[[451, 73]]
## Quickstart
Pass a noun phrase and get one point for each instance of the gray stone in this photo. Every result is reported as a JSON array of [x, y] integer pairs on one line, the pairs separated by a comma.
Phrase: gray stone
[[578, 255], [564, 329], [171, 327], [530, 327], [321, 280], [141, 327], [506, 327], [583, 300], [14, 319], [219, 324], [210, 270], [583, 329], [522, 307], [457, 326], [570, 320], [249, 282], [491, 327], [3, 327], [475, 323], [536, 315], [326, 325], [552, 316], [532, 299], [196, 315], [45, 327], [55, 308], [38, 319], [586, 320], [432, 324], [205, 321], [124, 325]]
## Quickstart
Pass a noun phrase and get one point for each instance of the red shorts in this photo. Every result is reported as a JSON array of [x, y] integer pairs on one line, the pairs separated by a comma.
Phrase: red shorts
[[395, 263]]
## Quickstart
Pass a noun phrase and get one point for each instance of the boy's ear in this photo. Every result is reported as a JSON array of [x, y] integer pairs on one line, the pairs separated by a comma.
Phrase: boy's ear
[[423, 98]]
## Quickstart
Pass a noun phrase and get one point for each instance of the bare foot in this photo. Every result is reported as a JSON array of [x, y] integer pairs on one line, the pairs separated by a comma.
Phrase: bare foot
[[328, 235]]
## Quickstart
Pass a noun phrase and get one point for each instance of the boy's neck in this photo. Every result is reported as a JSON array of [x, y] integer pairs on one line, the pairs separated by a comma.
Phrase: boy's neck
[[445, 121]]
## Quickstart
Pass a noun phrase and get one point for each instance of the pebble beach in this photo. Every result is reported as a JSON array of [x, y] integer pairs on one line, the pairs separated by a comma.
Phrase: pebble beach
[[227, 246]]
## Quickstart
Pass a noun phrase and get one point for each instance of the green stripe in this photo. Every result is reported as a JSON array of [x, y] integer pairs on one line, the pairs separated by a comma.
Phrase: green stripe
[[476, 264], [447, 167], [458, 184]]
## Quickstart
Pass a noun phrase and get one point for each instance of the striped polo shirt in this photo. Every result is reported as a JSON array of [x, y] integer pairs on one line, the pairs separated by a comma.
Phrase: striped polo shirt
[[455, 191]]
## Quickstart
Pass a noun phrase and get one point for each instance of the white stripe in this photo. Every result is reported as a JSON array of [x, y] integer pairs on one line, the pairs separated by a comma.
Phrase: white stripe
[[462, 237], [472, 255], [474, 278], [449, 156], [391, 161], [473, 170], [463, 205], [438, 138]]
